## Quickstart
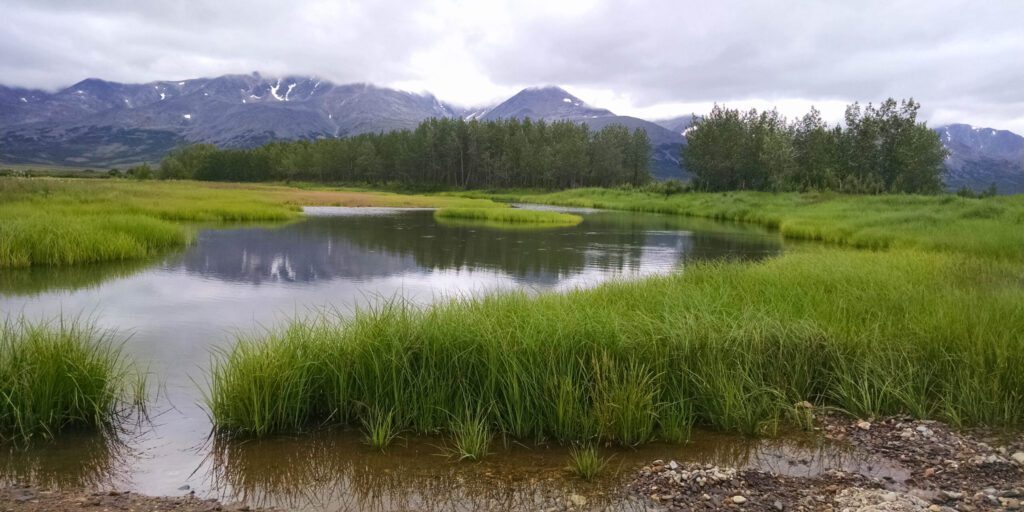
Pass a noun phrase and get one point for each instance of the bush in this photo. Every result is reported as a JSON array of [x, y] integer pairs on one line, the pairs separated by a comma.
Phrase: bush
[[140, 172]]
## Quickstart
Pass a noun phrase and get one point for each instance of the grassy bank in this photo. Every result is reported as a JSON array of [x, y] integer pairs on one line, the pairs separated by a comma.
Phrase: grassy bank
[[509, 216], [73, 221], [992, 227], [62, 375], [726, 345]]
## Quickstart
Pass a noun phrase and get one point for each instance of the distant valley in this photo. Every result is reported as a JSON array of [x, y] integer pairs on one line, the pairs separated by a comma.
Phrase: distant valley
[[98, 123]]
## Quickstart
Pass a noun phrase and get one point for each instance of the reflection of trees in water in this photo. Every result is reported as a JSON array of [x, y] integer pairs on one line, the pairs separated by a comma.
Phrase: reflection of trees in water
[[37, 280], [377, 246], [709, 246], [71, 461], [364, 247]]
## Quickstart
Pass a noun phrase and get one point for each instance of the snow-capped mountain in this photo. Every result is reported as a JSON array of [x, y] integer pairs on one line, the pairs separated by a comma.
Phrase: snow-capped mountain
[[96, 122], [101, 123], [979, 157]]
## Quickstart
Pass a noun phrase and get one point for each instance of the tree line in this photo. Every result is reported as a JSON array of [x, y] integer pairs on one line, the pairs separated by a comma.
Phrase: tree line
[[438, 153], [879, 149]]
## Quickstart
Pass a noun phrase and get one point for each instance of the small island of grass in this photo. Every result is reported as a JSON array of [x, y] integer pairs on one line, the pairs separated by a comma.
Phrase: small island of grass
[[510, 216]]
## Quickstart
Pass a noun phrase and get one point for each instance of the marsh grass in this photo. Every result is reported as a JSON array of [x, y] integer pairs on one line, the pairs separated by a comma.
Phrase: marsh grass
[[726, 345], [471, 437], [991, 227], [381, 428], [586, 462], [509, 216], [56, 222], [67, 222], [63, 374]]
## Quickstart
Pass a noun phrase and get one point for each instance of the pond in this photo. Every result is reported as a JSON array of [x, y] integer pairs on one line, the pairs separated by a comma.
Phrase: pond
[[178, 310]]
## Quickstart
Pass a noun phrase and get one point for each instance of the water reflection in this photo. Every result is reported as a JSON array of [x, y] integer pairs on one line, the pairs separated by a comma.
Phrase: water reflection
[[73, 460], [38, 280], [364, 246], [336, 471], [180, 307]]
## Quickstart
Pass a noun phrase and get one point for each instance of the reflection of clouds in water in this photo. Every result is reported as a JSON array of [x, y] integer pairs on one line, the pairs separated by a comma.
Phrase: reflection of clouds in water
[[357, 211], [243, 280]]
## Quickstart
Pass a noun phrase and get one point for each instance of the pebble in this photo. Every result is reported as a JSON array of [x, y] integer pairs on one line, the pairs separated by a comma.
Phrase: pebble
[[739, 500], [864, 425], [577, 500], [950, 495], [1010, 503], [1018, 458]]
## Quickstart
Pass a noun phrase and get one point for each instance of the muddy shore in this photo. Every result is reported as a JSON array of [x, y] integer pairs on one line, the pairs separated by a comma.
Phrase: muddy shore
[[937, 468], [30, 499]]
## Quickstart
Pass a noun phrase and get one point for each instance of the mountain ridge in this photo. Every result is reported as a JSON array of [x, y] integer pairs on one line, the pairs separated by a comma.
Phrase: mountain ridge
[[95, 122], [979, 157]]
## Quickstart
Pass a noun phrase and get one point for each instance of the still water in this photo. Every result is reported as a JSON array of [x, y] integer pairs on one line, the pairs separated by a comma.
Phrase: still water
[[177, 310]]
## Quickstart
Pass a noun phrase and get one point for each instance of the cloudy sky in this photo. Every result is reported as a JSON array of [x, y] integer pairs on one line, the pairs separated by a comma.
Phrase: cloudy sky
[[963, 60]]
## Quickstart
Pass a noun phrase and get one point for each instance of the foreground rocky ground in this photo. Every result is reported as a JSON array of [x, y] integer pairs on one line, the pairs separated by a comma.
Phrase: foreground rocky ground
[[29, 499], [948, 470]]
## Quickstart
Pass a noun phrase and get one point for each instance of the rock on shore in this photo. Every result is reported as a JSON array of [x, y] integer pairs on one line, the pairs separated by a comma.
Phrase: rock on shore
[[949, 470]]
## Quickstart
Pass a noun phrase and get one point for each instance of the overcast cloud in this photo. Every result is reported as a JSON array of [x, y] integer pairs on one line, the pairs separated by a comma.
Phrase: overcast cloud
[[964, 61]]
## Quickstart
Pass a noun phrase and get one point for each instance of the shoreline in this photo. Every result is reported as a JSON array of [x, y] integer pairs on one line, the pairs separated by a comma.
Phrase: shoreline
[[938, 469], [946, 470]]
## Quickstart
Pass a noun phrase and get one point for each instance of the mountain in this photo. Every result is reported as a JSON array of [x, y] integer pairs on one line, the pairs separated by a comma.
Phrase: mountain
[[555, 104], [549, 103], [676, 124], [100, 123], [979, 157]]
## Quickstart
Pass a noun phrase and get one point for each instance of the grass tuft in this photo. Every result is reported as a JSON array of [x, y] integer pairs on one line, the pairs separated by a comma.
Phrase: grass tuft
[[471, 437], [381, 428], [62, 375], [585, 462]]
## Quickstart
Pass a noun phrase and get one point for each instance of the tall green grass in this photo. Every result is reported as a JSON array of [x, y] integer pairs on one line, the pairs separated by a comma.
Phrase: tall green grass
[[509, 216], [62, 375], [66, 222], [985, 227], [727, 345]]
